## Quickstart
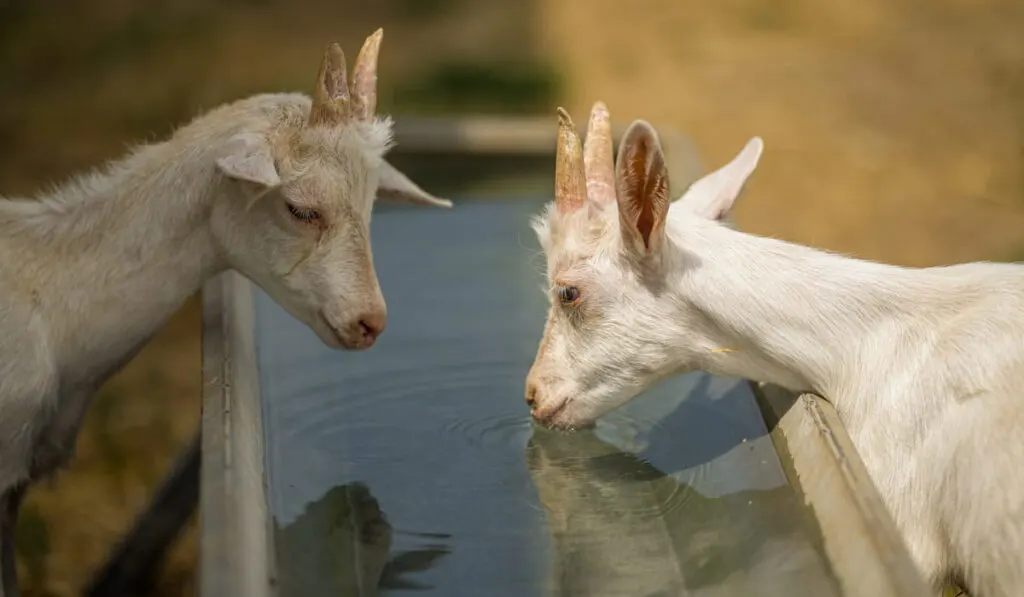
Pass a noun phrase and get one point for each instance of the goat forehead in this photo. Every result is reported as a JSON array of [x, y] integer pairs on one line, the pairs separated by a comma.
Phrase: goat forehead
[[343, 167], [327, 184], [566, 267], [590, 227], [579, 256], [372, 139], [348, 156], [575, 241]]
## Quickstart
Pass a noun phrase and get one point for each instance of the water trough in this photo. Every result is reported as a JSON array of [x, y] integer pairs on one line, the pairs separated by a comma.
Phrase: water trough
[[414, 465]]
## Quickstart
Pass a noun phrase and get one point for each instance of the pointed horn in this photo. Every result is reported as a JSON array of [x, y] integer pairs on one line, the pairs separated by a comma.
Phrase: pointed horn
[[597, 156], [570, 183], [331, 98], [364, 77]]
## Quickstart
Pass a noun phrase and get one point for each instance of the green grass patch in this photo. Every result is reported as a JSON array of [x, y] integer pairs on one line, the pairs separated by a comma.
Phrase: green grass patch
[[471, 87], [32, 544]]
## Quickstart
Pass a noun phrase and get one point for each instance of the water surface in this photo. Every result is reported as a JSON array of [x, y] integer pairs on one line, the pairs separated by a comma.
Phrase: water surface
[[414, 466]]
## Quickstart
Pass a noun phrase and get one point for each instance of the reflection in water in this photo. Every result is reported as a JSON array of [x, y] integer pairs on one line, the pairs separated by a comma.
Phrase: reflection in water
[[622, 528], [433, 420], [340, 545], [605, 522]]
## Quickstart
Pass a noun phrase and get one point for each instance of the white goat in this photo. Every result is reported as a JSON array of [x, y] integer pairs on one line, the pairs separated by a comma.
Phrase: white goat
[[925, 366], [278, 187]]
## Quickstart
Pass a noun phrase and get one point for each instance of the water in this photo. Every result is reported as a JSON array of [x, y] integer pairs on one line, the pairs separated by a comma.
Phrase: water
[[414, 466]]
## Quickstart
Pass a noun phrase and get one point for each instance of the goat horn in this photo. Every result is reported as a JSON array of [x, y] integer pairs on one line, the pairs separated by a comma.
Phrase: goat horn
[[597, 156], [331, 97], [364, 77], [570, 182]]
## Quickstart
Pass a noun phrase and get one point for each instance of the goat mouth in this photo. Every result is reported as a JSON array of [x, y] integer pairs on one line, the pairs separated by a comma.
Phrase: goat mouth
[[548, 420], [335, 333]]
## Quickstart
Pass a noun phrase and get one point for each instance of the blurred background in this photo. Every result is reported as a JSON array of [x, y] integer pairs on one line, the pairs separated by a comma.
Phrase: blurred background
[[894, 130]]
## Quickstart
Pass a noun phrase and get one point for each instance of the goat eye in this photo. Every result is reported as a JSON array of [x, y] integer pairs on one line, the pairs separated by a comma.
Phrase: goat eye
[[304, 213], [568, 294]]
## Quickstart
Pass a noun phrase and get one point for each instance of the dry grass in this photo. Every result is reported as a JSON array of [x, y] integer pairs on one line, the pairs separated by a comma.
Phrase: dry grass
[[894, 129]]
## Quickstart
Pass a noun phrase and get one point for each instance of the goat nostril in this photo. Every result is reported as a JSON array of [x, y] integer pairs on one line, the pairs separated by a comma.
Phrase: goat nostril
[[369, 332], [372, 325], [531, 395]]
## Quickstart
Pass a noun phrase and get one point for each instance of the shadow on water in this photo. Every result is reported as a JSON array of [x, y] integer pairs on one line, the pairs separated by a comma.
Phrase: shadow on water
[[341, 545], [621, 526], [712, 417]]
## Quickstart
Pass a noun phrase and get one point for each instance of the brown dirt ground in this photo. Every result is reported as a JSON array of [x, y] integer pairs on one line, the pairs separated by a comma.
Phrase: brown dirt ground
[[894, 130]]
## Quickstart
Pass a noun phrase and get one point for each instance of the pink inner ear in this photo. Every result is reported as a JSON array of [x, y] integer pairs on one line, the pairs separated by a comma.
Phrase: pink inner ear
[[642, 184], [645, 223]]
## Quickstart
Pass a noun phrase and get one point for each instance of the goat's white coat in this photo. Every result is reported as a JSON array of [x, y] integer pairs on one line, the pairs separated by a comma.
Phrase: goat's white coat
[[277, 186], [925, 366], [90, 271]]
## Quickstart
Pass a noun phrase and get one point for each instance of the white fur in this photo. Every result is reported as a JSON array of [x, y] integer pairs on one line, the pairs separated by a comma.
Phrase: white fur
[[925, 366], [90, 271]]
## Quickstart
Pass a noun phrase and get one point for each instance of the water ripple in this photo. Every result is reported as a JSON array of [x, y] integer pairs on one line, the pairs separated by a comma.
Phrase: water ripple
[[498, 431]]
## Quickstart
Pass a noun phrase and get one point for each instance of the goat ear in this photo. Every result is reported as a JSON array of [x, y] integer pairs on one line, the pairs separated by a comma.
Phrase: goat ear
[[395, 186], [641, 185], [713, 195], [248, 158]]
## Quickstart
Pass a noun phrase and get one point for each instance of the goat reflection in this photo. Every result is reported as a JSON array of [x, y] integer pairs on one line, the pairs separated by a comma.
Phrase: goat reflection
[[621, 527], [340, 545]]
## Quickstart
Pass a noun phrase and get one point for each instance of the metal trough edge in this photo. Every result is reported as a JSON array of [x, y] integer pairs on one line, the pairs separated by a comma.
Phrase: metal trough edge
[[860, 538], [235, 554]]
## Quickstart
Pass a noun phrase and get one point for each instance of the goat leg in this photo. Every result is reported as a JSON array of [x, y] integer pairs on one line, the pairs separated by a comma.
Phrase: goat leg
[[10, 502]]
